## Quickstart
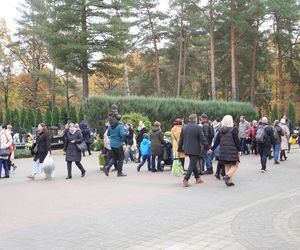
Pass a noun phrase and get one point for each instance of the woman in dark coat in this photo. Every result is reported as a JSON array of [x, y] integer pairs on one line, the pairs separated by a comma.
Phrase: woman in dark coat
[[230, 148], [157, 142], [73, 137], [40, 149]]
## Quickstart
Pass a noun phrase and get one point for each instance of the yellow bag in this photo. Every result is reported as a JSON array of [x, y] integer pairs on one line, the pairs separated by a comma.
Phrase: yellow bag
[[293, 141]]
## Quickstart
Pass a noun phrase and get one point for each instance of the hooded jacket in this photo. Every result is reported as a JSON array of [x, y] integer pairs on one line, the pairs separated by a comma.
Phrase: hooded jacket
[[145, 147]]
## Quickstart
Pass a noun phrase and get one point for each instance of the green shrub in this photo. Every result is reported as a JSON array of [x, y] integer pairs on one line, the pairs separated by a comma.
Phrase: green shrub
[[164, 110], [38, 118], [135, 118], [73, 115], [22, 153], [97, 145]]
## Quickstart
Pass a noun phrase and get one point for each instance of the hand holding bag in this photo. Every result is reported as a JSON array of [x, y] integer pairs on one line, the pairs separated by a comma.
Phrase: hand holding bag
[[4, 152]]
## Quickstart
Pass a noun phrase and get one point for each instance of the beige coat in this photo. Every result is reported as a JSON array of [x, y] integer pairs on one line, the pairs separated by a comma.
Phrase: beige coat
[[285, 138], [176, 131], [5, 140]]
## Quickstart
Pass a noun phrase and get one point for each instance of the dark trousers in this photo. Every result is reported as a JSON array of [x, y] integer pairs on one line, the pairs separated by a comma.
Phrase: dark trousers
[[182, 162], [192, 167], [144, 159], [88, 147], [4, 163], [254, 147], [78, 164], [245, 149], [220, 168], [159, 159], [117, 157], [264, 153]]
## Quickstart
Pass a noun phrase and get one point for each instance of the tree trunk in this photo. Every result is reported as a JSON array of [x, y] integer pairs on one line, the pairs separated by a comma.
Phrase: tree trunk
[[180, 58], [184, 61], [35, 92], [53, 88], [126, 84], [253, 68], [156, 52], [67, 92], [233, 64], [85, 78], [212, 52]]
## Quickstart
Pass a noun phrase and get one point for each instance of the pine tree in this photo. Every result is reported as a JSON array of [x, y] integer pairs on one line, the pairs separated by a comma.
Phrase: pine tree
[[80, 114], [48, 117], [38, 118], [55, 117], [8, 116], [73, 115], [30, 117], [62, 115], [16, 124], [274, 115], [292, 113]]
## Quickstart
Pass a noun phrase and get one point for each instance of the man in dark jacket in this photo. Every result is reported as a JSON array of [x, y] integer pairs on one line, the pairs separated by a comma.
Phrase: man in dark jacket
[[209, 135], [193, 143], [264, 144]]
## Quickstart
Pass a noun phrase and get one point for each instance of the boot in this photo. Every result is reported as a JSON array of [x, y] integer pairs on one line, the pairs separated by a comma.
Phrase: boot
[[199, 180], [185, 183]]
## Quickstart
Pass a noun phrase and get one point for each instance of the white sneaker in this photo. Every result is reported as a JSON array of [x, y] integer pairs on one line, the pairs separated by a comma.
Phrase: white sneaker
[[263, 171]]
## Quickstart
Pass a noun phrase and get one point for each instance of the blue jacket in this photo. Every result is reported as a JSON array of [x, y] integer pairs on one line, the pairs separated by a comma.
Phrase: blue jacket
[[117, 135], [145, 147]]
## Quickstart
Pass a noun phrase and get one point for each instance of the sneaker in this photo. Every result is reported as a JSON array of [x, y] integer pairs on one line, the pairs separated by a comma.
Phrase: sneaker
[[217, 176], [121, 174], [263, 170], [31, 177], [208, 172], [14, 167], [83, 173], [231, 184], [276, 162], [226, 179], [138, 168]]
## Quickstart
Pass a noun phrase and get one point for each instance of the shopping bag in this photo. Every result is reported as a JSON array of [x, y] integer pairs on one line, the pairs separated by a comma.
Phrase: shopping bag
[[81, 146], [101, 160], [177, 169], [48, 166], [293, 141]]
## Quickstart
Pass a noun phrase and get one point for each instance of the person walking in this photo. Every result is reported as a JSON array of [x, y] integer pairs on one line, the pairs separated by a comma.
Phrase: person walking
[[289, 124], [264, 138], [141, 131], [278, 133], [175, 132], [5, 144], [193, 143], [157, 143], [117, 135], [220, 166], [129, 142], [145, 148], [86, 133], [73, 154], [40, 149], [244, 128], [11, 157], [208, 132], [284, 139], [251, 136], [230, 148]]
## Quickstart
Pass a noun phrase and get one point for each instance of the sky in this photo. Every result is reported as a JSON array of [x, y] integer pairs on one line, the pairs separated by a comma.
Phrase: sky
[[8, 11]]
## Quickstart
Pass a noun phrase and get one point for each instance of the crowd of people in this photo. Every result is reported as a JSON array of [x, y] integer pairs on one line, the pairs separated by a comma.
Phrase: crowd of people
[[200, 139]]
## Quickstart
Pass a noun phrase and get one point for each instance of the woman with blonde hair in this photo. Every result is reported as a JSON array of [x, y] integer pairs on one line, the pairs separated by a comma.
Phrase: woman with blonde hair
[[230, 148], [176, 131]]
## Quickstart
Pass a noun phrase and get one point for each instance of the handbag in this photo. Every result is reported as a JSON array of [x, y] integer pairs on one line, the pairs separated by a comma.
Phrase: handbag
[[177, 169], [4, 152], [81, 146]]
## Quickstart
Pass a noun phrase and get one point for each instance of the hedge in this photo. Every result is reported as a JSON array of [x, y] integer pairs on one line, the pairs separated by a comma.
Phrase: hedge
[[22, 153], [164, 110]]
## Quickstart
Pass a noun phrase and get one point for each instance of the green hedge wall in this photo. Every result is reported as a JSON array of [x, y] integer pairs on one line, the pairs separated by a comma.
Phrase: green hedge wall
[[165, 110]]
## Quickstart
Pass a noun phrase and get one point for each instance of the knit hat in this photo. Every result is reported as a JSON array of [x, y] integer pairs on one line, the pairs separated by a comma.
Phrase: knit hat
[[204, 116], [146, 136], [282, 121]]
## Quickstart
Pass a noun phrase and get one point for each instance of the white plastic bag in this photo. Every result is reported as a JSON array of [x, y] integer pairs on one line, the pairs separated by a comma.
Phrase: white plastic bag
[[48, 166]]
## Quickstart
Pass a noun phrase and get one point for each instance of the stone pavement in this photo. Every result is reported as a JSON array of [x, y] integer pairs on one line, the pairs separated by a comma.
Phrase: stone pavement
[[151, 210]]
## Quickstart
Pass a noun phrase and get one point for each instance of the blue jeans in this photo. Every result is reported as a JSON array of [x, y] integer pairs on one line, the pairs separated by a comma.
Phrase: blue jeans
[[159, 159], [208, 161], [144, 159], [4, 163], [276, 149], [244, 146]]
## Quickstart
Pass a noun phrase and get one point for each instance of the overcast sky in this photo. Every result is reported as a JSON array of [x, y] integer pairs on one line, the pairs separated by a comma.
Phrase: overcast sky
[[8, 11]]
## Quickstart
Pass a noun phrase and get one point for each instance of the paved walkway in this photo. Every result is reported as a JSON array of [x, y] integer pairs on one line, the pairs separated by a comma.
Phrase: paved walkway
[[151, 210]]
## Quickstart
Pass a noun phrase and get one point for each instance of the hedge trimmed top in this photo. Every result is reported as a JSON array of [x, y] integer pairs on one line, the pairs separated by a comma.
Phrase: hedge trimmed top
[[164, 110]]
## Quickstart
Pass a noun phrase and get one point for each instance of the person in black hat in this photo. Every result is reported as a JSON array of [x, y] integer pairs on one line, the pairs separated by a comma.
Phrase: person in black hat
[[208, 132]]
